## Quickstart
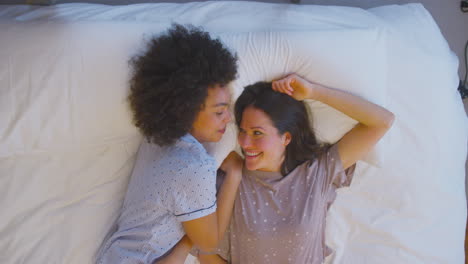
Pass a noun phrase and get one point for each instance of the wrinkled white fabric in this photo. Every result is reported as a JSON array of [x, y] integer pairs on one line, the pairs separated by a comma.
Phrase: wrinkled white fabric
[[67, 145]]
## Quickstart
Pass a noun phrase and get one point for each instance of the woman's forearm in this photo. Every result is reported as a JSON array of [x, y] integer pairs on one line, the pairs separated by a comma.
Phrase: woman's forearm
[[374, 121], [226, 198], [232, 165], [206, 232], [361, 110]]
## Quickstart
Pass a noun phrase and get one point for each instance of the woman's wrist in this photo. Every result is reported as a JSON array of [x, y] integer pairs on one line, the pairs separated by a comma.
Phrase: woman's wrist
[[313, 91], [234, 175]]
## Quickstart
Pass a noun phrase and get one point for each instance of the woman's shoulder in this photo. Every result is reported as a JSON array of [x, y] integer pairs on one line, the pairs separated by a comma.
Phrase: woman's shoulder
[[324, 156], [182, 160], [189, 150], [186, 158], [321, 162]]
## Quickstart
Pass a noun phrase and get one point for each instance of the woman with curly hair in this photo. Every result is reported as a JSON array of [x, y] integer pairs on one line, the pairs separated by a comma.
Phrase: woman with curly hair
[[289, 179], [179, 100]]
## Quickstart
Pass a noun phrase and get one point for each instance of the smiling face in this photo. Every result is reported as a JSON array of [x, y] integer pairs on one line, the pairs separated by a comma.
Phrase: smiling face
[[260, 141], [210, 123]]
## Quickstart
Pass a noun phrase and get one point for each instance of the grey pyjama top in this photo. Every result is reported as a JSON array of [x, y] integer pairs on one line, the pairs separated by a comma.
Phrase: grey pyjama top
[[280, 219]]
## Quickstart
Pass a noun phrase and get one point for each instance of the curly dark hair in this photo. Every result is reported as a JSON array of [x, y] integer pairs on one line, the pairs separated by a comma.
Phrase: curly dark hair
[[171, 79], [287, 115]]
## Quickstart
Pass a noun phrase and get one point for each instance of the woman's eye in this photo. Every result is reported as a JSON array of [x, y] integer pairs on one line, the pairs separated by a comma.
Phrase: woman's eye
[[219, 113], [257, 133]]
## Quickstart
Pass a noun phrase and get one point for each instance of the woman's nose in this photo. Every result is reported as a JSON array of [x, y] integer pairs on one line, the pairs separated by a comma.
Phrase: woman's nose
[[245, 141]]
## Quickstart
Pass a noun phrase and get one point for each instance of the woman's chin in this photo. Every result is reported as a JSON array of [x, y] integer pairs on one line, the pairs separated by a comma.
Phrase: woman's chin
[[251, 166], [216, 138]]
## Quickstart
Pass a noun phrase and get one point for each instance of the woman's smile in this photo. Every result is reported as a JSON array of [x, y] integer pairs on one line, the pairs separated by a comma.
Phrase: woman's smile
[[252, 154], [263, 146]]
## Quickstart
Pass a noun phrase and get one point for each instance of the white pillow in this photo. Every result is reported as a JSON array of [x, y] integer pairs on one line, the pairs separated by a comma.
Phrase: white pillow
[[68, 91], [353, 60]]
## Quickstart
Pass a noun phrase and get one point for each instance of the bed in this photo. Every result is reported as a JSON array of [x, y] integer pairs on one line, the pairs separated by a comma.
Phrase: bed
[[67, 143]]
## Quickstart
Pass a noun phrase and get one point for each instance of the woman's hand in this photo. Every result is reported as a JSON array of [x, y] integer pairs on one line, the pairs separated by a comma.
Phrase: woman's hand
[[374, 120], [294, 86], [232, 164]]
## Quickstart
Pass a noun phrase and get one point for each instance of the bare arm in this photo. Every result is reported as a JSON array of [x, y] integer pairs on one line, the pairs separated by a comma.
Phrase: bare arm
[[211, 259], [374, 121], [206, 232]]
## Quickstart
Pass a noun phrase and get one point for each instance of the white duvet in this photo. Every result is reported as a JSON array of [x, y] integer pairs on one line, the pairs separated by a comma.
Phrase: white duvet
[[67, 145]]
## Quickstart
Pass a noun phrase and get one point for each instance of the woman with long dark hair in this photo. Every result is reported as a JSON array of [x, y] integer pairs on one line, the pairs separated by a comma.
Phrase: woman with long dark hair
[[289, 179]]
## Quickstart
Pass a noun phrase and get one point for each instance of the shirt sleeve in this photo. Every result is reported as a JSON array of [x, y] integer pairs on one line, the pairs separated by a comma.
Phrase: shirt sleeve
[[333, 174], [195, 196]]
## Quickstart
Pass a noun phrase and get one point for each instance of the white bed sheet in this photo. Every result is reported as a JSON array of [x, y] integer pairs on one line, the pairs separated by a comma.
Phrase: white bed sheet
[[58, 203]]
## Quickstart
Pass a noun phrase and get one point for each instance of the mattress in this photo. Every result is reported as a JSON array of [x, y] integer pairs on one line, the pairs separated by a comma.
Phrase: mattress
[[67, 143]]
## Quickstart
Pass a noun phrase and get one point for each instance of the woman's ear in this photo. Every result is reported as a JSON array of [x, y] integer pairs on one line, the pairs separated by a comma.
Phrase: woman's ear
[[286, 138]]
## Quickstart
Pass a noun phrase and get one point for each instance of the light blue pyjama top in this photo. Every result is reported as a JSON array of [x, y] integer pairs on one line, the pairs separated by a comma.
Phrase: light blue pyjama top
[[168, 186]]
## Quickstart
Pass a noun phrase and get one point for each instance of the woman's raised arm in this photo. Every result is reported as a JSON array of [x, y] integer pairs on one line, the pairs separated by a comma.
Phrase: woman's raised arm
[[374, 121]]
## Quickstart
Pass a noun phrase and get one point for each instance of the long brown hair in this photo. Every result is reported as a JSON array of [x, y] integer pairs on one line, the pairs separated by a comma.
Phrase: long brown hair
[[287, 115]]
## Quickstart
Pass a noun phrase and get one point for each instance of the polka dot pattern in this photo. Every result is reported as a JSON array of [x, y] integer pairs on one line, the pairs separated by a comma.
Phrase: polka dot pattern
[[280, 219], [169, 185]]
